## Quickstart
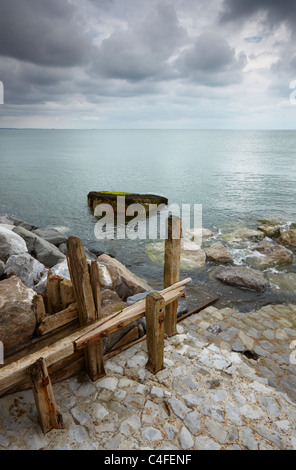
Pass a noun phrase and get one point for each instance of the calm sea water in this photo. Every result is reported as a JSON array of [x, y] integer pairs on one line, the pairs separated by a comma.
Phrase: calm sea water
[[238, 177]]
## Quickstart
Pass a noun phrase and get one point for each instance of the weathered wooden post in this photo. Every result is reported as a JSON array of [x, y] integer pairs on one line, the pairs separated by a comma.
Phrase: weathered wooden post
[[155, 315], [96, 289], [54, 303], [80, 277], [172, 270], [49, 418], [39, 308]]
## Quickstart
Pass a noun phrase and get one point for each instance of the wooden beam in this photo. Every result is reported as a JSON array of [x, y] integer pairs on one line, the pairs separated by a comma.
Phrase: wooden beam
[[80, 277], [67, 293], [39, 308], [49, 418], [172, 270], [54, 303], [96, 287], [52, 322], [155, 317], [127, 316]]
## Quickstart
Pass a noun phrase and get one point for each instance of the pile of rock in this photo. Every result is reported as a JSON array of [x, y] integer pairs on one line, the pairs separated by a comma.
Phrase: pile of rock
[[268, 246]]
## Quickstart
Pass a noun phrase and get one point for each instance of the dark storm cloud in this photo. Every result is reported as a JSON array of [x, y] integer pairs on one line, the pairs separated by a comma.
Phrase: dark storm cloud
[[212, 61], [277, 11], [26, 82], [43, 32], [142, 51]]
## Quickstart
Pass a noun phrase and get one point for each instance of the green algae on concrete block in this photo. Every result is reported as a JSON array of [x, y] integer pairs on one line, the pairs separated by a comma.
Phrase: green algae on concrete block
[[109, 197]]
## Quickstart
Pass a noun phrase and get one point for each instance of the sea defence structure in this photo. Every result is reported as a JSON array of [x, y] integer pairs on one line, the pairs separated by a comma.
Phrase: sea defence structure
[[105, 197]]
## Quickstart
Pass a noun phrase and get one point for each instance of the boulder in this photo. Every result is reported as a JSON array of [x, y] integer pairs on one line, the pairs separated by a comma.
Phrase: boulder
[[244, 235], [44, 251], [242, 277], [219, 254], [2, 269], [192, 257], [26, 268], [51, 235], [197, 234], [288, 238], [10, 244], [21, 223], [272, 254], [271, 231], [7, 226], [117, 277], [17, 317], [111, 302], [60, 269]]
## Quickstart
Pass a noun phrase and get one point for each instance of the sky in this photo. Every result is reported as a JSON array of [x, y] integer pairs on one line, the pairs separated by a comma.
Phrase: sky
[[148, 64]]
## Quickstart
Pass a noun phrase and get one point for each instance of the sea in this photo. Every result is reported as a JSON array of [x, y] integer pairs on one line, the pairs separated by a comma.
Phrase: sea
[[238, 177]]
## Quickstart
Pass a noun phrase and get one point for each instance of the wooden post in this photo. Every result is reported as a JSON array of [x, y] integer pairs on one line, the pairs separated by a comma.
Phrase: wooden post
[[54, 303], [39, 308], [172, 270], [67, 294], [96, 290], [49, 418], [155, 315], [80, 277]]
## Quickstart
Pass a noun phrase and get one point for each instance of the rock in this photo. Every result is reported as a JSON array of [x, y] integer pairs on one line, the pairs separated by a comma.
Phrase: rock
[[288, 238], [244, 235], [271, 231], [197, 234], [136, 298], [60, 269], [272, 254], [124, 282], [26, 268], [51, 235], [17, 318], [2, 269], [20, 223], [10, 244], [219, 254], [242, 277], [111, 302], [63, 248], [45, 252], [7, 226], [192, 257]]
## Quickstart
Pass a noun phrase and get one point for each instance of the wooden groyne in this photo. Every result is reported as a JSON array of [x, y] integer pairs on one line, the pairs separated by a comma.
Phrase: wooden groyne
[[82, 348]]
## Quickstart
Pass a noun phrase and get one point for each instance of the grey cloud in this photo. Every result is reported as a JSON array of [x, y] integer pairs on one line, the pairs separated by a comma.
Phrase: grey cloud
[[42, 32], [212, 61], [142, 51], [277, 11]]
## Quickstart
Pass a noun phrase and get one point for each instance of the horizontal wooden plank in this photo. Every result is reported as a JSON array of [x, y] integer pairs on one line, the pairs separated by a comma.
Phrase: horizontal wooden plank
[[128, 315], [52, 322]]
